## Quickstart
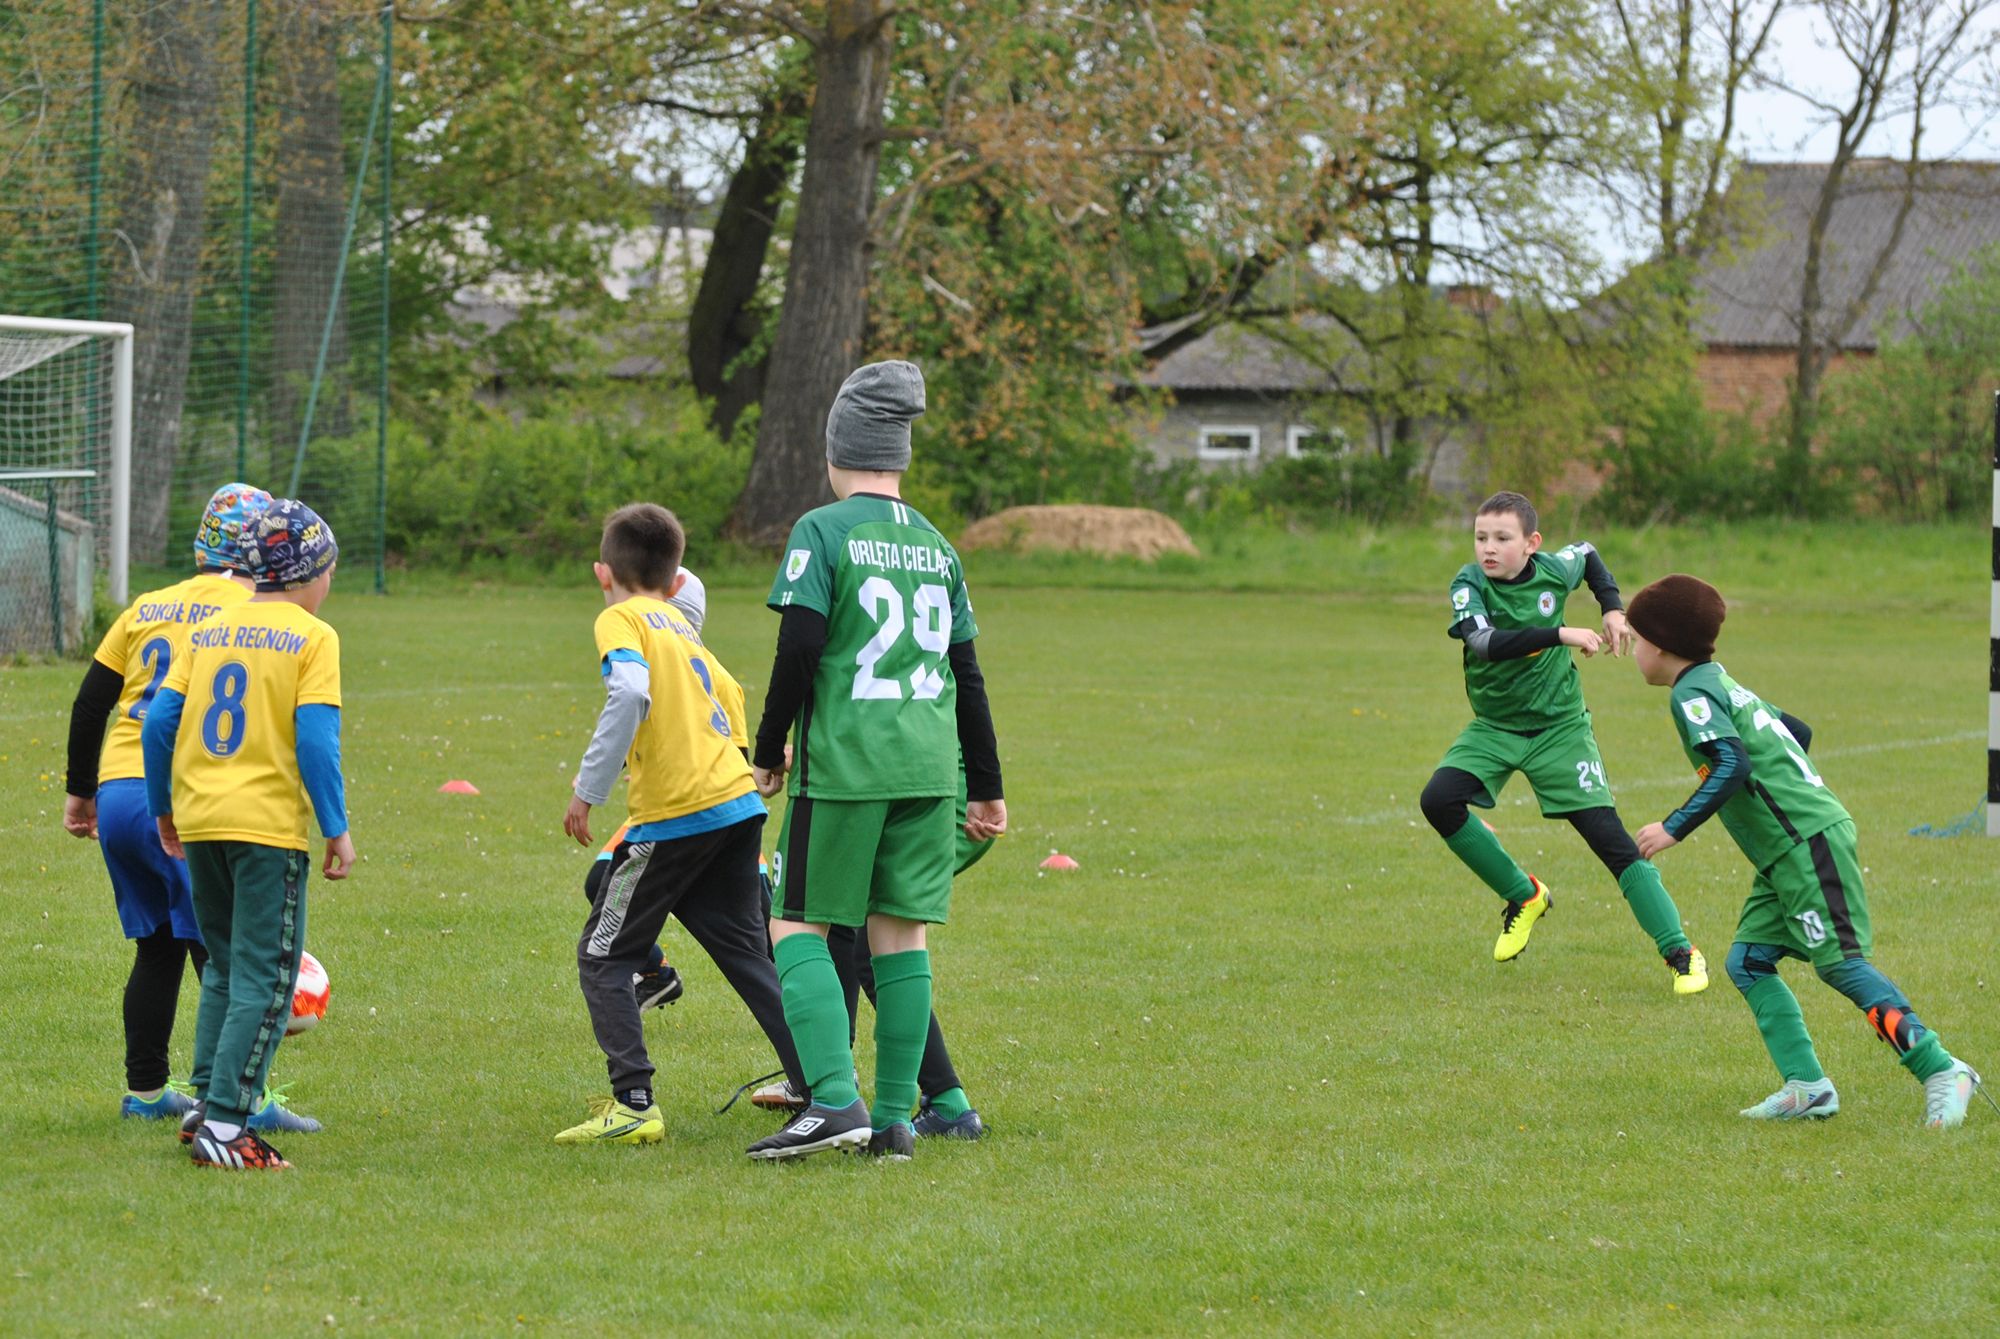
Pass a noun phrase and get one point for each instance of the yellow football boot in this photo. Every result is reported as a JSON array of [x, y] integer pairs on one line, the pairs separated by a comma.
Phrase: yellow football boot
[[1517, 922], [612, 1122], [1690, 970]]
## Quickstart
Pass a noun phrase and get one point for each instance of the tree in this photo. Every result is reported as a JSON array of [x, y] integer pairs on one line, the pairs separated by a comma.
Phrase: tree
[[162, 195], [1907, 57]]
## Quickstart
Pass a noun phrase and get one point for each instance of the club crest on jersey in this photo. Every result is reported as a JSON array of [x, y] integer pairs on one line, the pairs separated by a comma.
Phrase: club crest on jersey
[[795, 563], [1461, 597], [1547, 604], [1696, 710]]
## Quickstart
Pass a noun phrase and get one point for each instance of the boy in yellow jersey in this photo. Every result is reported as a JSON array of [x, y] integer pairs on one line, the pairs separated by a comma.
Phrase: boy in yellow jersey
[[696, 822], [259, 687], [107, 795]]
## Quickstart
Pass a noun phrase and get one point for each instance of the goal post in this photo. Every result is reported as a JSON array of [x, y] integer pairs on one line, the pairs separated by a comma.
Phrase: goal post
[[1993, 651], [66, 421]]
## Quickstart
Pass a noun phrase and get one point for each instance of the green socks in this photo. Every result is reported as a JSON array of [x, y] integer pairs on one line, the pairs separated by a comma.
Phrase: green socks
[[951, 1103], [816, 1012], [1485, 856], [1652, 908], [902, 1024], [1783, 1028]]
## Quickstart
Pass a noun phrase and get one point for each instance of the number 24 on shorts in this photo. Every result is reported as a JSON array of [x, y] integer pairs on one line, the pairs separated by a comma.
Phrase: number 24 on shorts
[[1586, 769]]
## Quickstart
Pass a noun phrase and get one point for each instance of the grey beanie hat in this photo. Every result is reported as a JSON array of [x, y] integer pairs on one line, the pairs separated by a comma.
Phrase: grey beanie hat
[[868, 427], [691, 599]]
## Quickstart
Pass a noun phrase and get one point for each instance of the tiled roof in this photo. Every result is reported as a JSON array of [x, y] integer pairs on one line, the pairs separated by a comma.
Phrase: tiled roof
[[1749, 294]]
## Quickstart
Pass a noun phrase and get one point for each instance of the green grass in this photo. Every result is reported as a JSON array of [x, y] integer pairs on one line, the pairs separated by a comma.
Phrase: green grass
[[1249, 1069]]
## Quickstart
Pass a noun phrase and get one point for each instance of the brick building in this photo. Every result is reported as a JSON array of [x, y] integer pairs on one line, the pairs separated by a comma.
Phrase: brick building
[[1748, 293]]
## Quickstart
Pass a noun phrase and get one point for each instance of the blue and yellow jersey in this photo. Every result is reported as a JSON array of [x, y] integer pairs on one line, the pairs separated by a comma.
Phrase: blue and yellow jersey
[[245, 674], [683, 758], [143, 645]]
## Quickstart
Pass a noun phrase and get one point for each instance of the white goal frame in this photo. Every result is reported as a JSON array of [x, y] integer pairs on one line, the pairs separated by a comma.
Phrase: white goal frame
[[120, 333]]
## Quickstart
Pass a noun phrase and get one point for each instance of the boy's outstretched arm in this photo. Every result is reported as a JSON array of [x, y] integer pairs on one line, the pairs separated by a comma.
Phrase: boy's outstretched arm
[[1490, 643], [1728, 772], [801, 642], [1618, 635], [985, 807], [628, 696], [156, 748]]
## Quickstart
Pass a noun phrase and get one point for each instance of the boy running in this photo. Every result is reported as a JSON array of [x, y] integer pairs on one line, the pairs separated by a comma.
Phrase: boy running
[[260, 688], [106, 801], [1806, 900], [876, 678], [1529, 717], [696, 823]]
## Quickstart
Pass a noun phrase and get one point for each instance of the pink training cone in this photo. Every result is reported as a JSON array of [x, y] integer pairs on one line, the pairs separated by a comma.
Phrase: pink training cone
[[458, 788], [1058, 861]]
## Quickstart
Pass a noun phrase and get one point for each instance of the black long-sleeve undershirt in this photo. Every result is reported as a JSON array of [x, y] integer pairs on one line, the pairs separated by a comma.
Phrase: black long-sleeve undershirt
[[1728, 772], [1598, 577], [1486, 642], [801, 643], [96, 699]]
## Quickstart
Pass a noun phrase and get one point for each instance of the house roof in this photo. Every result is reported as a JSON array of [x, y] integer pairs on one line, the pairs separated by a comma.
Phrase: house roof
[[1749, 294], [1253, 358]]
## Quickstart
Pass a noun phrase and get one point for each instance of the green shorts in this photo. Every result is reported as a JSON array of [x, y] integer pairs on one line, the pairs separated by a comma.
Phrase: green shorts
[[839, 861], [1810, 902], [1561, 763]]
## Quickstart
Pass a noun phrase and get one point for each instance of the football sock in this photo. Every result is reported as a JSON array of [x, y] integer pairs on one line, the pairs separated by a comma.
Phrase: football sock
[[951, 1103], [902, 1023], [1485, 856], [810, 989], [1916, 1046], [1652, 907], [1783, 1028], [637, 1098], [223, 1130]]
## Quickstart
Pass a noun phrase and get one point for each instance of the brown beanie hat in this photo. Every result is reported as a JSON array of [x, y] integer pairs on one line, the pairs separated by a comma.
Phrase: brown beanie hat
[[1680, 614]]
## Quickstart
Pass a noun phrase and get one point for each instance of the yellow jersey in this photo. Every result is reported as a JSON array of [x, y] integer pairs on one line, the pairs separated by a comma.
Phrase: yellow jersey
[[246, 673], [143, 645], [682, 758]]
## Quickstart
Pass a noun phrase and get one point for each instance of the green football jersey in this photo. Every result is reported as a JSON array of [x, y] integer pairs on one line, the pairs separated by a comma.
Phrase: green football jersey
[[1537, 691], [1785, 800], [881, 722]]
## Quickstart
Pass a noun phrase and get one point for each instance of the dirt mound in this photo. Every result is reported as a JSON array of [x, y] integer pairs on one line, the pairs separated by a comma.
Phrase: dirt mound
[[1111, 532]]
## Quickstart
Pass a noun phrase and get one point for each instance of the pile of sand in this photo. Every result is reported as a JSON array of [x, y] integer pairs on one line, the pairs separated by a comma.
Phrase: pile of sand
[[1111, 532]]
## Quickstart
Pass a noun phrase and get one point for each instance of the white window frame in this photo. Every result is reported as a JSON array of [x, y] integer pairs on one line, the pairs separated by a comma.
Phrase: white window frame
[[1298, 432], [1204, 451]]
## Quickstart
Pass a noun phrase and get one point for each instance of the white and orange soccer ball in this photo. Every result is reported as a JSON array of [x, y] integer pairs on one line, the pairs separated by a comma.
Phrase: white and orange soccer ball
[[309, 997]]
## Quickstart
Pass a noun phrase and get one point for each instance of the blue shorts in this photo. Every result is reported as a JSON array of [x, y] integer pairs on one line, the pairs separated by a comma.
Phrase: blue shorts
[[151, 886]]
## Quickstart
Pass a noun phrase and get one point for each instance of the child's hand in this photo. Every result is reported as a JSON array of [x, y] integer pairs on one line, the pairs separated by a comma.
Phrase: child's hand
[[1618, 635], [1653, 839], [339, 856], [80, 816], [769, 783], [1582, 639], [985, 819], [170, 837], [577, 821]]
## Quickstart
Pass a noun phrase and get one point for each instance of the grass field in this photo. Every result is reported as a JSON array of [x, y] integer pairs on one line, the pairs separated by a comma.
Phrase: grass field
[[1250, 1068]]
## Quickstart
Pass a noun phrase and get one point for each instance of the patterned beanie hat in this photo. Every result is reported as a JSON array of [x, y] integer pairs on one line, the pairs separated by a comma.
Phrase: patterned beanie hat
[[225, 523], [1681, 614], [290, 546]]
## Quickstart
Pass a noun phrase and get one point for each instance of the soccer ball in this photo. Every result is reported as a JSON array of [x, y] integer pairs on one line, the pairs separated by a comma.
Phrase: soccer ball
[[309, 996]]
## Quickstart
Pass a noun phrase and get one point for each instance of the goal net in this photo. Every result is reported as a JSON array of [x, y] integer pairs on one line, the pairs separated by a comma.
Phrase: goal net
[[65, 463]]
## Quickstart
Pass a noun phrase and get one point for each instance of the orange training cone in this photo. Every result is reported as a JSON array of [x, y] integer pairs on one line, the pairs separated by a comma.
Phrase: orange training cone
[[458, 788]]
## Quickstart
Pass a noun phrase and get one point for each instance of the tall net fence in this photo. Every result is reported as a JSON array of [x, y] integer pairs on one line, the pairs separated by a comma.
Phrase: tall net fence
[[215, 173]]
